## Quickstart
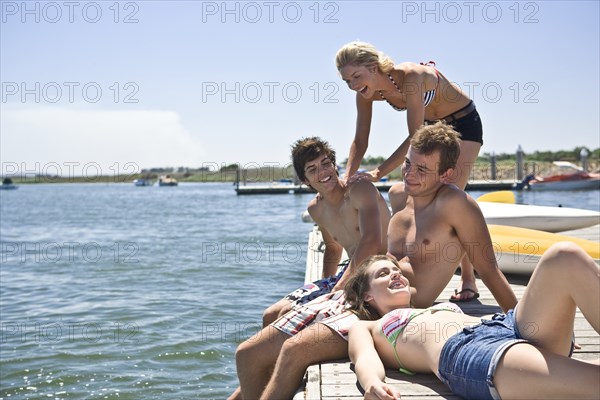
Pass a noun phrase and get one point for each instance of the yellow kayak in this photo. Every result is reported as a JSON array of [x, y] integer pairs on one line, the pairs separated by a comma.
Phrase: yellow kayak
[[518, 250]]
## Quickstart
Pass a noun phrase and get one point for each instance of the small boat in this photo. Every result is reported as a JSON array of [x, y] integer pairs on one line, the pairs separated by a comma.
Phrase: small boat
[[518, 250], [7, 184], [143, 182], [574, 178], [167, 180], [543, 218]]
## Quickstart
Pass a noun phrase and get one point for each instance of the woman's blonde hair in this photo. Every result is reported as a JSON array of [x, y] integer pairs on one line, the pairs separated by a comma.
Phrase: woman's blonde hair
[[362, 54], [357, 287]]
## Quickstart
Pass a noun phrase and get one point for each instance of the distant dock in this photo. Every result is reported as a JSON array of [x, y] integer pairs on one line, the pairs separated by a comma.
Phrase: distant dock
[[483, 185], [291, 188]]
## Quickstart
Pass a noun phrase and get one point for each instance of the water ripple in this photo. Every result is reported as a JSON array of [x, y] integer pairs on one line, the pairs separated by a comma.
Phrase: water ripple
[[115, 291]]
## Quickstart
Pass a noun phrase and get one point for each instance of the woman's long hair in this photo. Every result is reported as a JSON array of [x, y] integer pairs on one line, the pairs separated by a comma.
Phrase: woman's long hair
[[362, 54], [359, 285]]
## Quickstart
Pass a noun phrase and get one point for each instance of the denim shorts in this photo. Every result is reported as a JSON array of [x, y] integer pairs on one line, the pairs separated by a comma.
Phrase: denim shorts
[[469, 359]]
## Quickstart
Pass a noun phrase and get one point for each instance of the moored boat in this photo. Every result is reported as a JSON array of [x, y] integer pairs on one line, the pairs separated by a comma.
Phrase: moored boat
[[543, 218], [518, 250], [143, 182], [575, 183], [7, 184], [167, 180], [574, 178]]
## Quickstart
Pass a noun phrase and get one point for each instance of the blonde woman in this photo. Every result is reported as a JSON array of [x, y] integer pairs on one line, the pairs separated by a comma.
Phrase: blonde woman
[[427, 96], [419, 89]]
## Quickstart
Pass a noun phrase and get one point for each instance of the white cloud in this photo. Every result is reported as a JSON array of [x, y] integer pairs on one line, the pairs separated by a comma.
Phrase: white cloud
[[69, 140]]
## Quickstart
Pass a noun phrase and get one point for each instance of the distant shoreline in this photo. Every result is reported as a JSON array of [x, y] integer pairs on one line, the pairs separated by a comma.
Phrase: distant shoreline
[[481, 171]]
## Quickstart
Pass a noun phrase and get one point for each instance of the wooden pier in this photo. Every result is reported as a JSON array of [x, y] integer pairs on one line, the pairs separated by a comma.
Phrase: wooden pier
[[291, 188], [336, 380]]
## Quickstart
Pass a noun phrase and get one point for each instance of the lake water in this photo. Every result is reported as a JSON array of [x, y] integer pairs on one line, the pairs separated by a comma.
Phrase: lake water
[[116, 291]]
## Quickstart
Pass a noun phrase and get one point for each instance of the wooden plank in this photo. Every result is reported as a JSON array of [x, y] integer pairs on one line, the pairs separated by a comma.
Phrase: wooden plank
[[449, 397], [313, 383]]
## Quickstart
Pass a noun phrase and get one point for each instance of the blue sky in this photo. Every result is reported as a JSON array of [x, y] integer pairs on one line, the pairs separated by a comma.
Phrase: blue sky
[[90, 86]]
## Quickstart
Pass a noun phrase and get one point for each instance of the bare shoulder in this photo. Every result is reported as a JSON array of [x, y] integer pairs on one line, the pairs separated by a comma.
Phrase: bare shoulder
[[451, 195], [457, 206], [363, 325], [314, 202], [407, 67], [315, 208], [412, 72], [363, 193]]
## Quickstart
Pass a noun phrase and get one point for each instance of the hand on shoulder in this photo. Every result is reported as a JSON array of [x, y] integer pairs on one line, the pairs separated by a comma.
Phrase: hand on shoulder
[[370, 176], [361, 188]]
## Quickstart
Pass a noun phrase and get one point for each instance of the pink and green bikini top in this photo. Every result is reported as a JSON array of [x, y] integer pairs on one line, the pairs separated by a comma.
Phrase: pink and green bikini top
[[394, 322]]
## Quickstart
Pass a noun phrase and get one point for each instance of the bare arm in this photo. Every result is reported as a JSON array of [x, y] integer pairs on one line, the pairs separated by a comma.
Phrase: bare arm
[[415, 116], [364, 198], [333, 250], [332, 255], [393, 162], [364, 113], [368, 366], [468, 221]]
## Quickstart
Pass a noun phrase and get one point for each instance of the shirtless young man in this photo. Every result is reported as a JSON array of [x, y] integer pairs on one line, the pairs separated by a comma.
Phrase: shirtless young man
[[440, 222], [354, 218]]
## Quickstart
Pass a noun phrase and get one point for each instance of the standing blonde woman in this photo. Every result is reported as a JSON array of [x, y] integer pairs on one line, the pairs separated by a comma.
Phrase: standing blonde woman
[[427, 96], [419, 89]]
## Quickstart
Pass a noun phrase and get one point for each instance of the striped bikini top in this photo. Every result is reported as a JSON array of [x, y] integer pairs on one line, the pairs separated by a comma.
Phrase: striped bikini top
[[394, 322], [427, 96]]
